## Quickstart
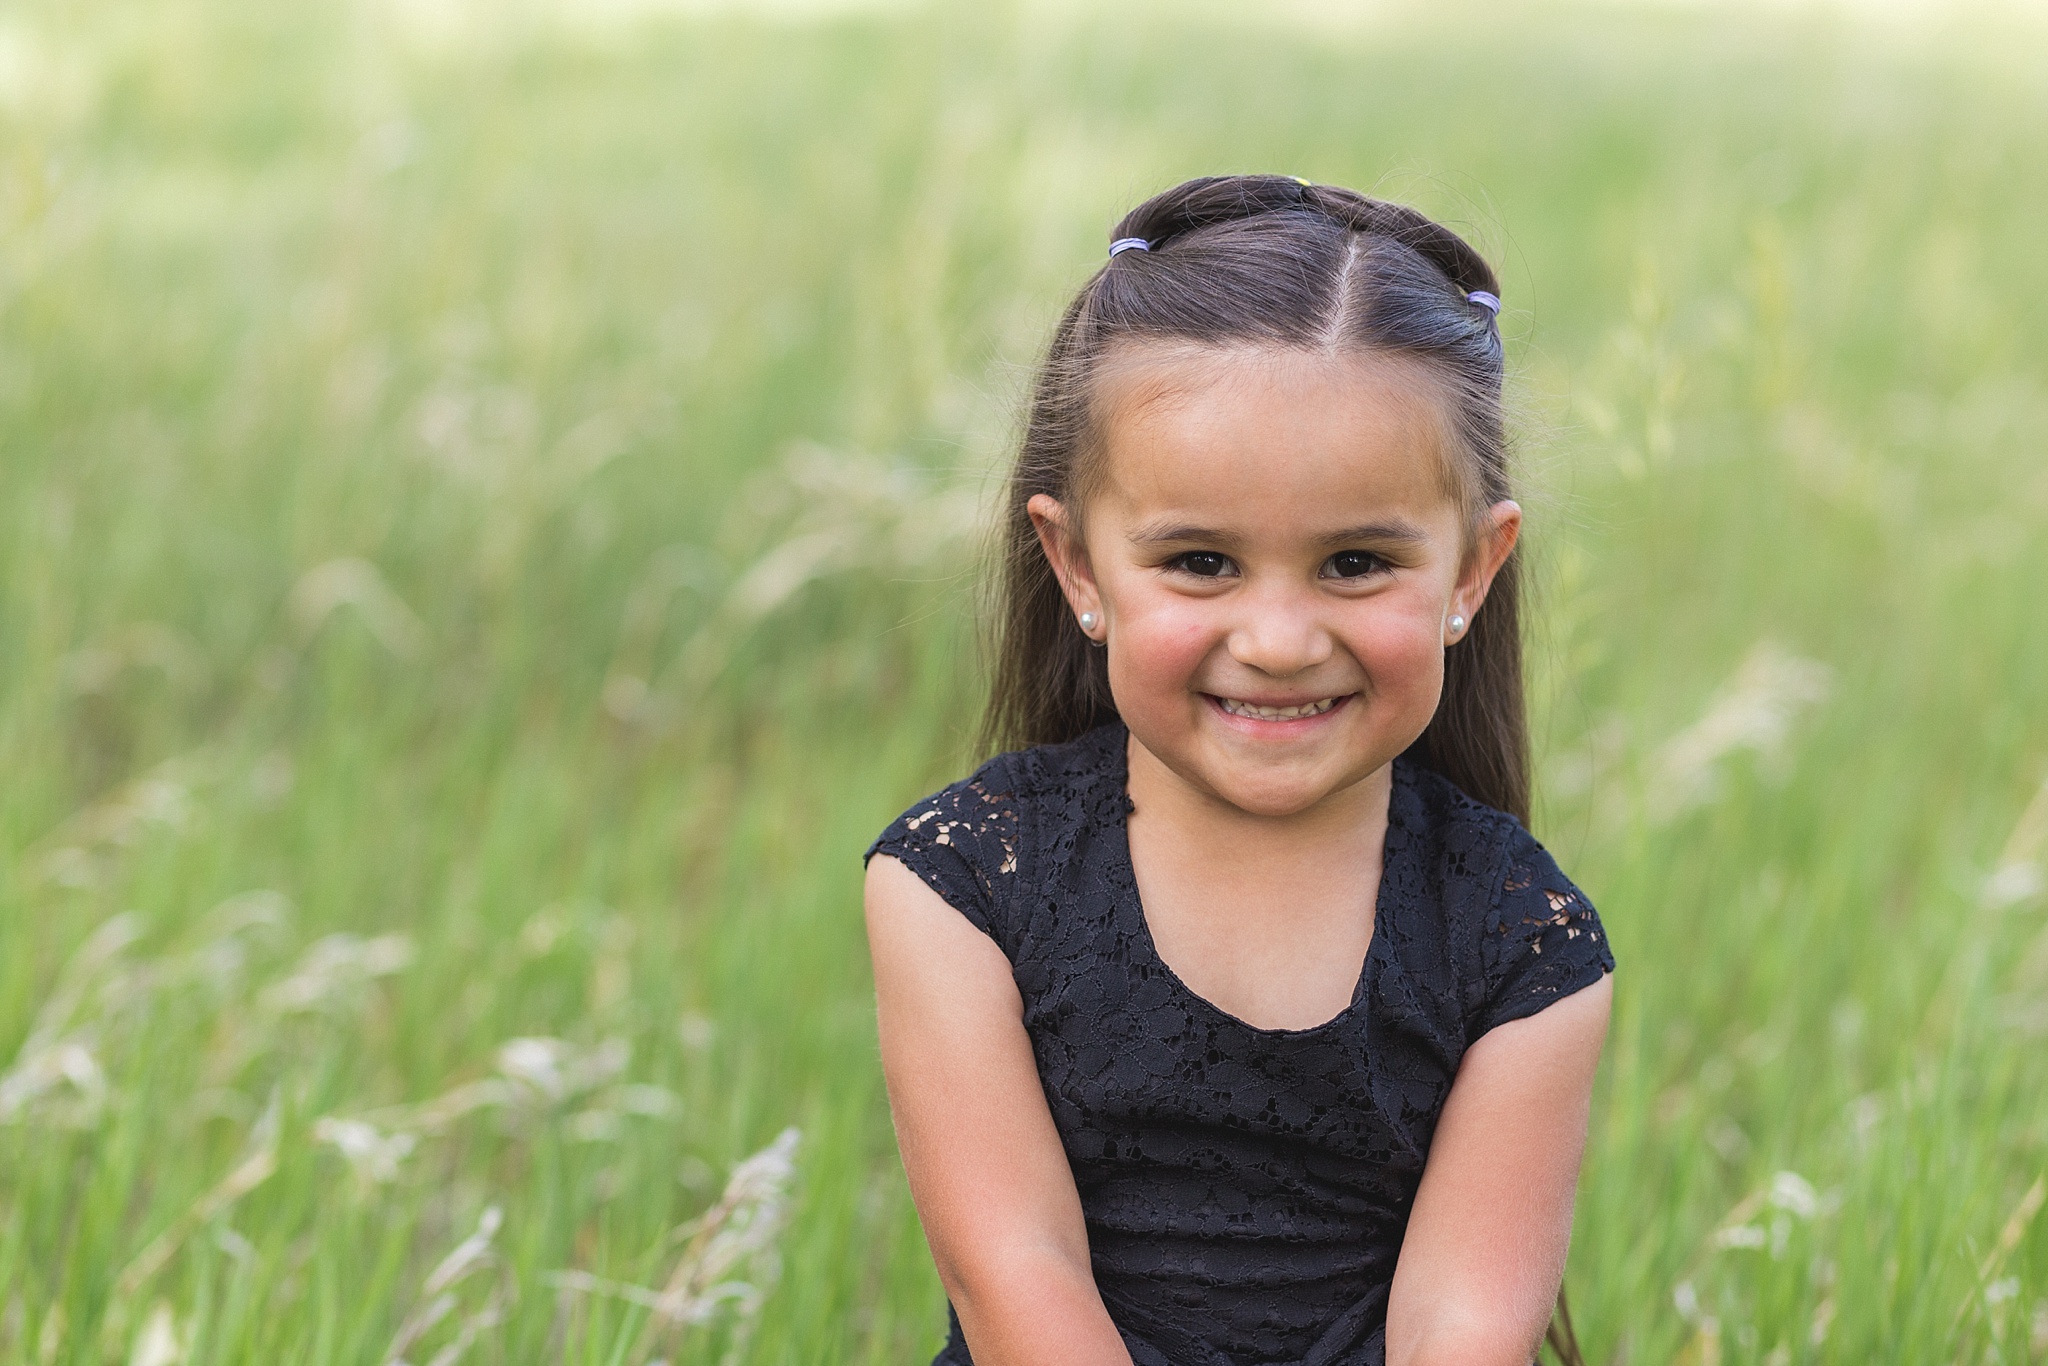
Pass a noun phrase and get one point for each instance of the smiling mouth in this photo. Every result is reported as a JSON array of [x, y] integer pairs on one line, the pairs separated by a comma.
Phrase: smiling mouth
[[1252, 711]]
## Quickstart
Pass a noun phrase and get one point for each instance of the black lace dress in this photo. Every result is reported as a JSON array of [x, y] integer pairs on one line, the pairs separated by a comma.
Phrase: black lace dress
[[1245, 1189]]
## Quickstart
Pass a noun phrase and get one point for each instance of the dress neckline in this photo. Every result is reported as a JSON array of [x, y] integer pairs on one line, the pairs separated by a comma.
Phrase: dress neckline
[[1130, 906]]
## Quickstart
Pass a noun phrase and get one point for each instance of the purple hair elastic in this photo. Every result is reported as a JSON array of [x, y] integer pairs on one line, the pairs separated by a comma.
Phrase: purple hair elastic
[[1124, 244], [1489, 302]]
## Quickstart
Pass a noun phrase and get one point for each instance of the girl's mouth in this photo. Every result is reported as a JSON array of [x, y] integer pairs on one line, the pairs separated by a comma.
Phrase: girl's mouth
[[1253, 711]]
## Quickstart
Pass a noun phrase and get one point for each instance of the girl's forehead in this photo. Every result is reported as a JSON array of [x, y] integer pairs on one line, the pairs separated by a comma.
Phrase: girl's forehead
[[1270, 431]]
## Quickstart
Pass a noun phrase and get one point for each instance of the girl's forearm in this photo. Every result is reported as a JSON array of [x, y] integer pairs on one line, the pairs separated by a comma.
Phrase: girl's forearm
[[1451, 1338], [1033, 1308]]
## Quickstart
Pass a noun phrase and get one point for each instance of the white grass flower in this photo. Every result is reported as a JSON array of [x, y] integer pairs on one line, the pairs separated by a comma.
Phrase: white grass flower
[[545, 929], [157, 1344], [76, 853], [229, 927], [1754, 711], [374, 1156], [139, 645], [696, 1032], [2021, 874], [596, 1125], [555, 1070], [233, 1243], [728, 1261], [50, 1337], [653, 1101], [161, 798], [1823, 1320], [333, 969], [1794, 1194], [1748, 1236], [1706, 1344], [63, 1071], [852, 511], [484, 437], [263, 909], [1727, 1138], [439, 1298], [603, 1121], [2009, 1239], [2015, 1230], [56, 1074], [775, 578], [350, 582], [469, 1254], [432, 1116], [2012, 883], [533, 1073]]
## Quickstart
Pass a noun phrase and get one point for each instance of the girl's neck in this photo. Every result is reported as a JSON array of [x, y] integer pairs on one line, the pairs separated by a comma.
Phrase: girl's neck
[[1267, 918]]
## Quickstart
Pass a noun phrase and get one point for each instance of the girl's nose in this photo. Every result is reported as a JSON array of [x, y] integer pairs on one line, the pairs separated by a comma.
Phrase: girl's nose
[[1279, 638]]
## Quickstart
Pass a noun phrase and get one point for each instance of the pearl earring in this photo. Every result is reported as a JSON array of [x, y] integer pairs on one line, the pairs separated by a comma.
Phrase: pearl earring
[[1457, 626], [1087, 621]]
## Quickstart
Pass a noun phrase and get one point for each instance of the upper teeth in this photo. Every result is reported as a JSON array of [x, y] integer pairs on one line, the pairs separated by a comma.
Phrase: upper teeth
[[1237, 708]]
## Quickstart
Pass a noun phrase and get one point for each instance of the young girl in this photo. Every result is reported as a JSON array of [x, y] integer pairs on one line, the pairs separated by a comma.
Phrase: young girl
[[1237, 1019]]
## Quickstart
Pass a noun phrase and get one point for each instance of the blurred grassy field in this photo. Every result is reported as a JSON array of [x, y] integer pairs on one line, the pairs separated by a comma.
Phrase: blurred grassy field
[[488, 510]]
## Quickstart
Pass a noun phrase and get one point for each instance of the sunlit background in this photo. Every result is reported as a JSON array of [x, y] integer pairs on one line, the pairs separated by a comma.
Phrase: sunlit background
[[490, 506]]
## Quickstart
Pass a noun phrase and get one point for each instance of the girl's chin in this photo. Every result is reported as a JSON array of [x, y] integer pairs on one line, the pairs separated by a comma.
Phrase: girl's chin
[[1260, 776]]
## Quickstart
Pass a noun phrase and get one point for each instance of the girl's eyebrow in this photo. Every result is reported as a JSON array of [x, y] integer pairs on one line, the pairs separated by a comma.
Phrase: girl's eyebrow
[[1178, 533], [1394, 531]]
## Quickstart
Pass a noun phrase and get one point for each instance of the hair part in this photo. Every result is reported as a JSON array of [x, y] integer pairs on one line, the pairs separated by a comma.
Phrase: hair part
[[1267, 262]]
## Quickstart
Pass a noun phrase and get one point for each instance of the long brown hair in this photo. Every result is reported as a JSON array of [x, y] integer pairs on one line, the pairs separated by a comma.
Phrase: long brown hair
[[1272, 261]]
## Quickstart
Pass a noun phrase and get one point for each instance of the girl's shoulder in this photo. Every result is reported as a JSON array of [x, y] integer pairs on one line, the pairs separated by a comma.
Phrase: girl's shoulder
[[968, 841], [1525, 932]]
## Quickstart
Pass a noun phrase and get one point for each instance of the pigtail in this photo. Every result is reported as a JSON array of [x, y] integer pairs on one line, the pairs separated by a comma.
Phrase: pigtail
[[1479, 737], [1211, 201], [1049, 684]]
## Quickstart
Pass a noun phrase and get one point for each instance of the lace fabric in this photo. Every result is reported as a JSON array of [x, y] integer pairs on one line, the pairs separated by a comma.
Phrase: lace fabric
[[1245, 1189]]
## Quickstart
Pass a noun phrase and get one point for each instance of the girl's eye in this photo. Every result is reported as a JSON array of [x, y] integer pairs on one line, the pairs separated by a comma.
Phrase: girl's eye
[[1353, 564], [1206, 564]]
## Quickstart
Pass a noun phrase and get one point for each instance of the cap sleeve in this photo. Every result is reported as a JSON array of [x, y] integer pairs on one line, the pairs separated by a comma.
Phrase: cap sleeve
[[1543, 942], [962, 842]]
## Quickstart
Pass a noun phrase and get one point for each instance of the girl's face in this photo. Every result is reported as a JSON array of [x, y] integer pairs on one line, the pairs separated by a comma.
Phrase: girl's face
[[1273, 558]]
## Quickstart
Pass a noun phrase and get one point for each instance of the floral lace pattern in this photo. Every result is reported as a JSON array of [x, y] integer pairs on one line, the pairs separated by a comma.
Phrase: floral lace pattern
[[1245, 1189]]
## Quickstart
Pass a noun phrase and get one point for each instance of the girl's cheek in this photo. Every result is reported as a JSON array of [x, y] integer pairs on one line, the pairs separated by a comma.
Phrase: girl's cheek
[[1401, 651], [1168, 645], [1162, 641], [1401, 645]]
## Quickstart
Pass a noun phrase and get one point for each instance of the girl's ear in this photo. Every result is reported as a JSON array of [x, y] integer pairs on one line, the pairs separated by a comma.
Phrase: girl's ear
[[1499, 528], [1061, 540]]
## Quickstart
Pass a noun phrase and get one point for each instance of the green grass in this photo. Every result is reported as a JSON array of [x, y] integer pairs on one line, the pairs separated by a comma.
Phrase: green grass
[[511, 485]]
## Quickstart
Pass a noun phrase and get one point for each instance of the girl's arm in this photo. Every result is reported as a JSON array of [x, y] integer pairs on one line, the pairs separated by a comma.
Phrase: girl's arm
[[1485, 1247], [986, 1169]]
